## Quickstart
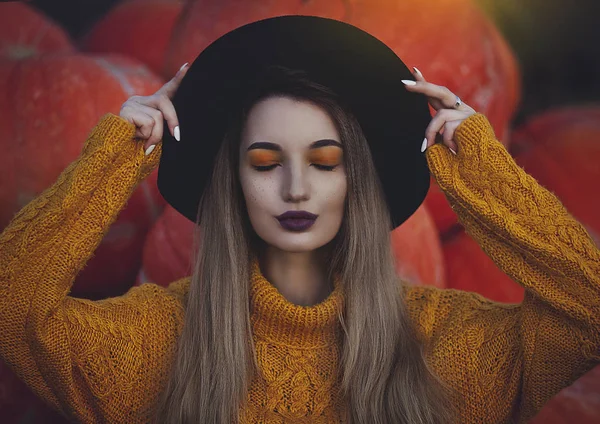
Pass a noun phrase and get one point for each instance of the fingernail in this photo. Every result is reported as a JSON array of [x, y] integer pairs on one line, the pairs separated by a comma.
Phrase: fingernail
[[183, 66], [176, 133], [409, 82], [424, 145], [452, 150], [417, 71], [149, 149]]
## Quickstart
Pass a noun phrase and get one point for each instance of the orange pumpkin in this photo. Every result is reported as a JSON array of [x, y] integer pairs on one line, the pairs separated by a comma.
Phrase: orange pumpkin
[[453, 43], [24, 32], [54, 102], [561, 150], [468, 268], [140, 29], [167, 249], [418, 250]]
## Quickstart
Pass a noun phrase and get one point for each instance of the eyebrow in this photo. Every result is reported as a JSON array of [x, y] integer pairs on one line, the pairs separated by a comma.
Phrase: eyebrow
[[273, 146]]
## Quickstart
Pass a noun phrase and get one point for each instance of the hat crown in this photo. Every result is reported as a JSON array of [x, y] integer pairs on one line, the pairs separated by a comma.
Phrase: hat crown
[[364, 72]]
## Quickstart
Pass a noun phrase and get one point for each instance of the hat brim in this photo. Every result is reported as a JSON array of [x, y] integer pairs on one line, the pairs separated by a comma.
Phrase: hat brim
[[361, 69]]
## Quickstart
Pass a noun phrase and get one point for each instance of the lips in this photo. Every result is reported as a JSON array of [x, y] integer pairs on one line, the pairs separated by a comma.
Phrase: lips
[[297, 220], [297, 215]]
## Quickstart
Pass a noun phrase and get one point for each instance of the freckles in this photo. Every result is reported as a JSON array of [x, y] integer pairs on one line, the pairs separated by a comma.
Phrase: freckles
[[260, 189]]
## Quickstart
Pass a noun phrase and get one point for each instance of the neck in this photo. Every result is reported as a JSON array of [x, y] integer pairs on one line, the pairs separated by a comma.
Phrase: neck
[[301, 277]]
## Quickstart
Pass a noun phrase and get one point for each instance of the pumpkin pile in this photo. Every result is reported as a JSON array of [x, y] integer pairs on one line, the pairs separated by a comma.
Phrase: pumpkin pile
[[56, 92]]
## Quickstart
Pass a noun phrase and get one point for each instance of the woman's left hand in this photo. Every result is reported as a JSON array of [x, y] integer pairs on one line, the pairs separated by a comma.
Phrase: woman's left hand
[[449, 115]]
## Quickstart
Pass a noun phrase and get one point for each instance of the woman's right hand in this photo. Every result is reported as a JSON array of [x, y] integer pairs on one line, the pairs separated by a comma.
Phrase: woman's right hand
[[148, 112]]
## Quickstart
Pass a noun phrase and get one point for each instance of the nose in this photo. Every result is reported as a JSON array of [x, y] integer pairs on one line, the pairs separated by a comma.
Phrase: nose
[[295, 185]]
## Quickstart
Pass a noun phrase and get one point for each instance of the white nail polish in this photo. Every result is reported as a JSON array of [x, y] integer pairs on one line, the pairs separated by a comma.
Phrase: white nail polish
[[417, 71], [409, 82], [150, 149], [176, 133], [183, 66], [424, 145]]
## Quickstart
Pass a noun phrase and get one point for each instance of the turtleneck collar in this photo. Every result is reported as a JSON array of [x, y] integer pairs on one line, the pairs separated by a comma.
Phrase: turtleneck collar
[[277, 320]]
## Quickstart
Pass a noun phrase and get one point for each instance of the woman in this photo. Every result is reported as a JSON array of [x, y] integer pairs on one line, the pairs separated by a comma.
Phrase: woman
[[279, 323]]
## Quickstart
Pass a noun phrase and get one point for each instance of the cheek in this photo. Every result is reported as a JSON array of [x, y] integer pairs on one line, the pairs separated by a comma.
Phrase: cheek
[[259, 194], [336, 192]]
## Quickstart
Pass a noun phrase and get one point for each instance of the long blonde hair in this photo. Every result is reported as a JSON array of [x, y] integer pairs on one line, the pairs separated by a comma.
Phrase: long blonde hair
[[385, 376]]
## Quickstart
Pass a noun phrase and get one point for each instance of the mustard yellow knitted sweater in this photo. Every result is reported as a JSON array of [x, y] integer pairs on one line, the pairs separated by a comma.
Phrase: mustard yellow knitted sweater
[[106, 361]]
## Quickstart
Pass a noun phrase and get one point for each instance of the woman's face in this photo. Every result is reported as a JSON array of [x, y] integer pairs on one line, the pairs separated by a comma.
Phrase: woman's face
[[278, 135]]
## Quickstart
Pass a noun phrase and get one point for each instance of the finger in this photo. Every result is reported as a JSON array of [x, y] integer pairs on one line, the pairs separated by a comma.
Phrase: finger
[[418, 75], [143, 123], [437, 105], [448, 136], [164, 104], [439, 96], [172, 85], [417, 87], [156, 132], [438, 122]]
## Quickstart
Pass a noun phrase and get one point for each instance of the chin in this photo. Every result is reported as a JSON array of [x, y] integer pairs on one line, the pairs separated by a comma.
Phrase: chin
[[297, 245], [292, 242]]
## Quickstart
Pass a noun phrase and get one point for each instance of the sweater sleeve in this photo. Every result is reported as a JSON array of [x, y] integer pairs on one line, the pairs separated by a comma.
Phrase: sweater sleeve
[[68, 350], [536, 348]]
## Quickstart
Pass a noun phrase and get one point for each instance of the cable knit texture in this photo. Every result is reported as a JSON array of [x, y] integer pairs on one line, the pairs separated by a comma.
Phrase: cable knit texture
[[106, 361], [298, 350]]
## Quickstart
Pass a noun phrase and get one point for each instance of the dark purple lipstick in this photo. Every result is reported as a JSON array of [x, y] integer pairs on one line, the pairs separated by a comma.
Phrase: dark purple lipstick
[[297, 220]]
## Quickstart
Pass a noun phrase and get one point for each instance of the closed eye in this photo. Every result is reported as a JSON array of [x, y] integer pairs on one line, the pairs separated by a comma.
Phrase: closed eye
[[321, 167], [325, 167]]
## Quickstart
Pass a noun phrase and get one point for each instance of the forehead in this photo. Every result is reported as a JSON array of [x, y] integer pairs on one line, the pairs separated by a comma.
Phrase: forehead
[[285, 120]]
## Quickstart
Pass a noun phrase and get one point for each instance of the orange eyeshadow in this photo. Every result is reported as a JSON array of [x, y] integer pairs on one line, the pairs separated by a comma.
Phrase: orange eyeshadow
[[329, 155], [261, 156]]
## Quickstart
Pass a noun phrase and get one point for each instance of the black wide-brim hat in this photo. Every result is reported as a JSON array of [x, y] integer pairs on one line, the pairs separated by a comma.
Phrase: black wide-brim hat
[[362, 70]]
